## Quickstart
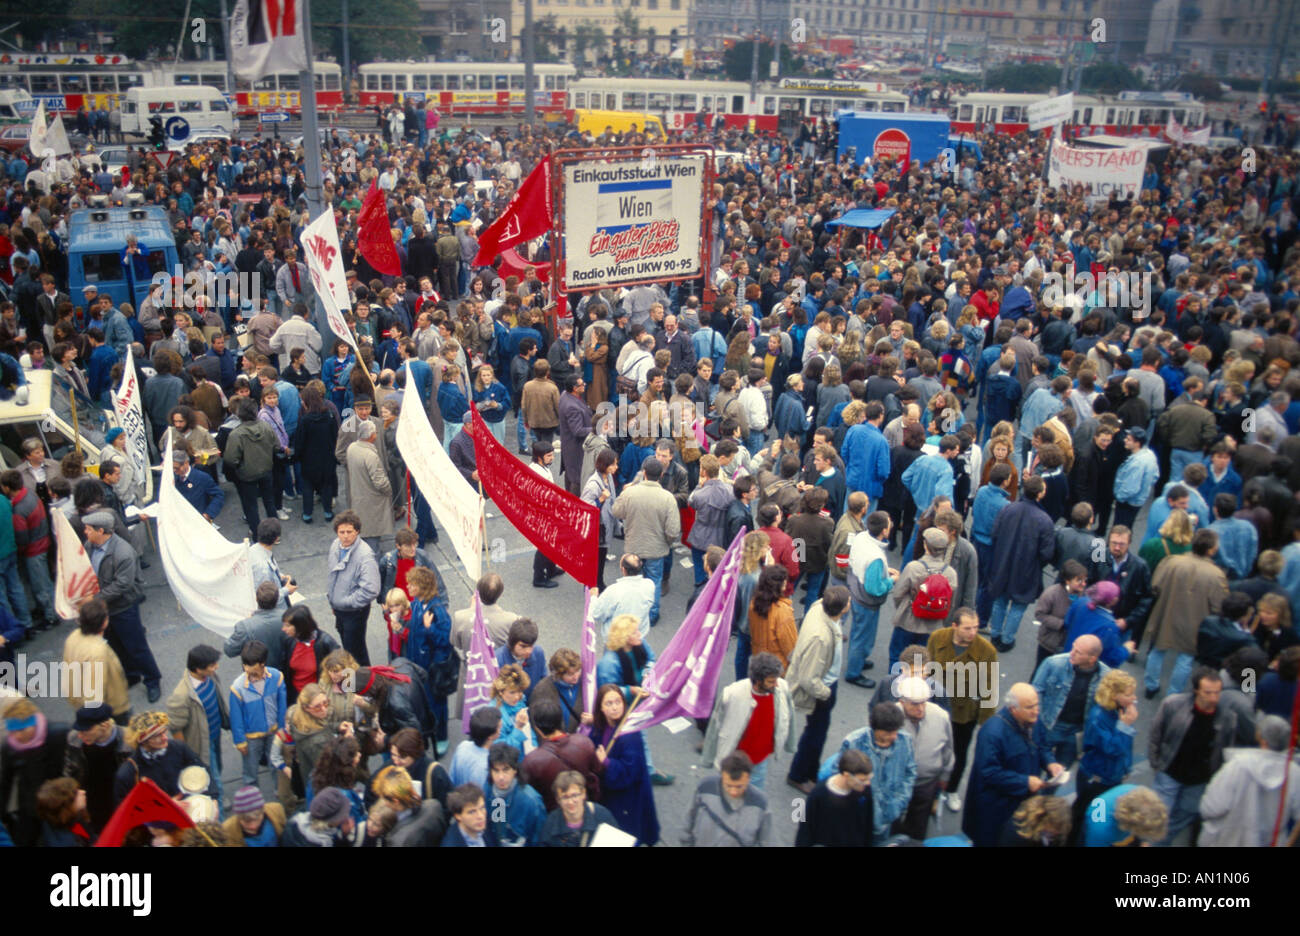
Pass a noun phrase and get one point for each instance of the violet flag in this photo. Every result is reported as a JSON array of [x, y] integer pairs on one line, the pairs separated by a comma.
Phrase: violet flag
[[684, 680], [589, 652], [480, 667]]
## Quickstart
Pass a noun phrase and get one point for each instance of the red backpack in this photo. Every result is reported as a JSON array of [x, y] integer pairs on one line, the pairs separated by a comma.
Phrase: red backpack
[[933, 599]]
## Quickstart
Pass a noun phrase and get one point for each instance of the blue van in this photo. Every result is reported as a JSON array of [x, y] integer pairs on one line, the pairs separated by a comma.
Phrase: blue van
[[97, 245]]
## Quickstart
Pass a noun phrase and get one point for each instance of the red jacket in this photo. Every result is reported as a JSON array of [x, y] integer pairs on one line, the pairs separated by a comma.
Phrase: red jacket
[[783, 552], [31, 526]]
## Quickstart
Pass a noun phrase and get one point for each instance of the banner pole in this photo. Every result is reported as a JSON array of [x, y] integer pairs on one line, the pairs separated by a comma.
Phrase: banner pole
[[76, 427], [482, 520]]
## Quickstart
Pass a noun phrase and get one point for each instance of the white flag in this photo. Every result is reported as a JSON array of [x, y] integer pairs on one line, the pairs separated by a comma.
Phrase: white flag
[[126, 403], [320, 241], [74, 577], [457, 506], [209, 575], [36, 136], [266, 36], [43, 136]]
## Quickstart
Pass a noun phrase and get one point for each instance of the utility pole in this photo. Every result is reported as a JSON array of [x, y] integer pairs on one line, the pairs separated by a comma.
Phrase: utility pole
[[753, 59], [347, 53], [1276, 53], [530, 62], [310, 135], [225, 38]]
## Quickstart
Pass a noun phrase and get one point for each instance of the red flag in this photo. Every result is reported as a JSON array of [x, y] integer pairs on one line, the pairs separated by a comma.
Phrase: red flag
[[144, 804], [374, 236], [529, 214], [563, 527]]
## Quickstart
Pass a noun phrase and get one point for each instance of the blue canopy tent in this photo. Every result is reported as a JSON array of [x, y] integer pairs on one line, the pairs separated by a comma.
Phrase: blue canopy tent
[[867, 219]]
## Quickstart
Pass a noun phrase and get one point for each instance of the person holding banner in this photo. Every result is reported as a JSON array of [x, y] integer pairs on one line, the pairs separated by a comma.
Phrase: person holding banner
[[122, 589], [627, 786]]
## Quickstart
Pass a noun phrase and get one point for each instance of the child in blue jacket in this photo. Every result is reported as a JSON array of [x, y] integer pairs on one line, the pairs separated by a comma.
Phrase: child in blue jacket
[[257, 708]]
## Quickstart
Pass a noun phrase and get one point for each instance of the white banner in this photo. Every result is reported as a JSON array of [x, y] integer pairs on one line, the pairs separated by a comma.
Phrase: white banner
[[1049, 113], [50, 136], [74, 577], [1177, 133], [126, 403], [209, 575], [1102, 171], [632, 221], [320, 242], [266, 36], [457, 506]]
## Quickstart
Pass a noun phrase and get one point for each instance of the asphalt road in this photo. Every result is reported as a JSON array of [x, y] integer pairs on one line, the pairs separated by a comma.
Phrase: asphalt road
[[558, 612]]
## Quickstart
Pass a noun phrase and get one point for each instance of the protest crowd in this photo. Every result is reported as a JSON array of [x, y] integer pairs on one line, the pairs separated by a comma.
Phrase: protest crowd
[[919, 440]]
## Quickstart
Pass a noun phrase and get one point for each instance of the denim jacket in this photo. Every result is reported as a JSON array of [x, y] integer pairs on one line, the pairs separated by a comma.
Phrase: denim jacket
[[1053, 680], [1107, 746], [892, 777]]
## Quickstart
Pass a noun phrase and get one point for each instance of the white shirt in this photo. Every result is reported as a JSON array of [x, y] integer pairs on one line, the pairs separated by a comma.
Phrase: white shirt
[[543, 471], [755, 404]]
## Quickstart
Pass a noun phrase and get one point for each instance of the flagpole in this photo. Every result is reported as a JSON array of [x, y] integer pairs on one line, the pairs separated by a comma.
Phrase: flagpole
[[310, 134], [623, 721], [482, 519]]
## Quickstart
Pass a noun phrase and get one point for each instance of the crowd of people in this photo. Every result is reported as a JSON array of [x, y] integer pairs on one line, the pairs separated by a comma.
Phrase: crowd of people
[[902, 419]]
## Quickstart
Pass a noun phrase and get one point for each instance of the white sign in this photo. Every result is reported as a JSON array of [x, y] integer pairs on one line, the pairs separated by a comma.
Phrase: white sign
[[126, 403], [74, 577], [1049, 113], [1177, 133], [457, 506], [209, 575], [277, 117], [1102, 171], [320, 241], [632, 222]]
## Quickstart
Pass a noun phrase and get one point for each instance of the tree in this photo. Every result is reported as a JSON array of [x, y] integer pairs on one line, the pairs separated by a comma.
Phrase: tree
[[396, 41], [546, 37], [587, 35], [628, 22], [1025, 79], [736, 61], [1110, 77]]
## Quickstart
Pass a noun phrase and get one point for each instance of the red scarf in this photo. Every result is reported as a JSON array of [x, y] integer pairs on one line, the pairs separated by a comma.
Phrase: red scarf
[[293, 271]]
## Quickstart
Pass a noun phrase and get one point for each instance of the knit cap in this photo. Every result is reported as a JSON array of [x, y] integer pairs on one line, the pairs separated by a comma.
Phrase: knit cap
[[247, 800]]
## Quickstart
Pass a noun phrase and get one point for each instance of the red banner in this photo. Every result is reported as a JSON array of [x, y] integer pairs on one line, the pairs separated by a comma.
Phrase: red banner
[[565, 528], [375, 236], [145, 803], [529, 214]]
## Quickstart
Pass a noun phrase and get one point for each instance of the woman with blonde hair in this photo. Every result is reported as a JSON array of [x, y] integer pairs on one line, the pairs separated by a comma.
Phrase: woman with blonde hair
[[304, 737], [755, 553], [334, 672], [1272, 624], [1126, 816], [1040, 822], [1107, 740], [508, 696], [850, 351], [420, 822], [627, 656], [1174, 539], [31, 753]]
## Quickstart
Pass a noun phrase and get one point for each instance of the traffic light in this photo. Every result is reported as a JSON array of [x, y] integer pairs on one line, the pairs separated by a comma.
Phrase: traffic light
[[157, 138]]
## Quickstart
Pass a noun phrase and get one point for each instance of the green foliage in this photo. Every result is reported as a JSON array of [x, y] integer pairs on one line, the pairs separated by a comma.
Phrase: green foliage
[[1110, 78], [1026, 79], [736, 61], [395, 41], [587, 35]]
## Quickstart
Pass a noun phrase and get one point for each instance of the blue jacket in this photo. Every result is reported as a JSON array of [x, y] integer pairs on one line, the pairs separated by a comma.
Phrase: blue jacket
[[1231, 484], [893, 773], [626, 789], [118, 334], [99, 370], [227, 360], [866, 460], [989, 501], [1160, 509], [202, 492], [452, 403], [1238, 546], [500, 394], [454, 838], [1024, 540], [535, 666], [1100, 622], [520, 822], [1107, 746], [1101, 829], [419, 375], [257, 715], [290, 406], [707, 343], [789, 416], [927, 478], [1017, 303], [1002, 393], [1053, 679], [1041, 406], [609, 669], [427, 646], [1006, 755], [1136, 478]]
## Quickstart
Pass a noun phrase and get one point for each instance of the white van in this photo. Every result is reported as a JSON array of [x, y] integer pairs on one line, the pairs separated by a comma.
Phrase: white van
[[183, 109], [16, 106]]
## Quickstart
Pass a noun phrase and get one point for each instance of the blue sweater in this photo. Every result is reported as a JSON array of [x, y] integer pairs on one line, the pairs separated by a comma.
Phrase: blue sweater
[[1107, 746], [257, 714], [989, 501], [498, 392], [452, 403]]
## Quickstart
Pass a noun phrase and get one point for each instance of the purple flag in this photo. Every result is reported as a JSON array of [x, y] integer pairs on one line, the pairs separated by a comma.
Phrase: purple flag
[[480, 667], [684, 679], [589, 651]]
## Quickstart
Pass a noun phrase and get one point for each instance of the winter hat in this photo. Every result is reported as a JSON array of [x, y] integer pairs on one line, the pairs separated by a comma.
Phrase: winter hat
[[111, 436], [331, 806], [101, 519], [936, 538], [247, 800], [88, 716], [1103, 594], [146, 725]]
